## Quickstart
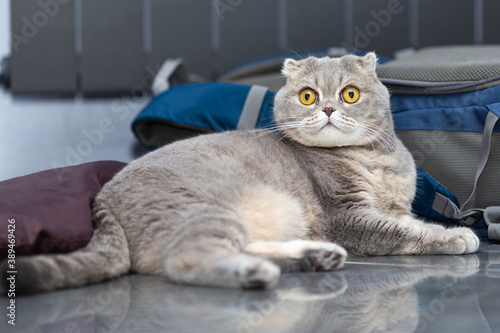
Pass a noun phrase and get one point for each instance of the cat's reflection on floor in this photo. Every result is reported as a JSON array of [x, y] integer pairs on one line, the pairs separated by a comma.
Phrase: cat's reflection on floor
[[359, 298]]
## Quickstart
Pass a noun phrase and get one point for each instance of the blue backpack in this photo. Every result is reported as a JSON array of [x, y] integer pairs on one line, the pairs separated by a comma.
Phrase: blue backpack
[[446, 106], [444, 112]]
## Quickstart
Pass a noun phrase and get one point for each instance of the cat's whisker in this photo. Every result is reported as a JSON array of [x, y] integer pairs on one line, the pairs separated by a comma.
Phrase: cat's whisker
[[297, 129], [377, 139], [386, 140], [384, 144], [289, 130], [298, 55], [261, 133]]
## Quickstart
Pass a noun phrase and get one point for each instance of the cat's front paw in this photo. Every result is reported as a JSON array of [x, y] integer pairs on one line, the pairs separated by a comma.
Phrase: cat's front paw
[[460, 241]]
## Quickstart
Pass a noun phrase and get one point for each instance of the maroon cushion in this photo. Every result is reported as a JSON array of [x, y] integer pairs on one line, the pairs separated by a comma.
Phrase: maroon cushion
[[51, 209]]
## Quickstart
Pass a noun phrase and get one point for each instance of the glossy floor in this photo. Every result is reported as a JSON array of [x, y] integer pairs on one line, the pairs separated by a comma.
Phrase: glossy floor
[[378, 294]]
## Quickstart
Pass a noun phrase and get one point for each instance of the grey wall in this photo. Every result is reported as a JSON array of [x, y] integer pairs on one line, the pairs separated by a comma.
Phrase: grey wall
[[115, 46], [4, 28]]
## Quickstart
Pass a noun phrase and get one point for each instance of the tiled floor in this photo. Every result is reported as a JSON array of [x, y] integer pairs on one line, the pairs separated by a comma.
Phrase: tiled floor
[[377, 294]]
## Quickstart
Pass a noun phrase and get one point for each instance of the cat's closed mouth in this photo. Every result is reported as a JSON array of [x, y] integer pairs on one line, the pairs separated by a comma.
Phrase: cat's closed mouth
[[330, 125]]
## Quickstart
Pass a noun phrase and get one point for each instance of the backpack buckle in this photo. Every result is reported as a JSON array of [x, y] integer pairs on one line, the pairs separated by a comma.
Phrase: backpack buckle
[[468, 217]]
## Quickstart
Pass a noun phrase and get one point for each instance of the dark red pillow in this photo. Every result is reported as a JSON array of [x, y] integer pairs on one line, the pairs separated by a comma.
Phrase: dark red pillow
[[51, 210]]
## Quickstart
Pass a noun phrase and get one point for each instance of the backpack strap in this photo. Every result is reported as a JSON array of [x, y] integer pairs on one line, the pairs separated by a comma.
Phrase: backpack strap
[[173, 72], [467, 215], [444, 205], [491, 120], [168, 69], [251, 109]]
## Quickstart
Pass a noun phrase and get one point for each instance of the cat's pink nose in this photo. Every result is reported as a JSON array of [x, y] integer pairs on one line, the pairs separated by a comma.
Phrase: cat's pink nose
[[328, 110]]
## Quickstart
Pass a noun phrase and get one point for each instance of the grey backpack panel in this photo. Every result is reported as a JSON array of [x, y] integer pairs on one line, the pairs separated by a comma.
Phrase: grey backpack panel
[[444, 69]]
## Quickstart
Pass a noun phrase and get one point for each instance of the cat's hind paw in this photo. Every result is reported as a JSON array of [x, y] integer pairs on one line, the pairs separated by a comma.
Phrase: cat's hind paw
[[325, 256], [257, 273]]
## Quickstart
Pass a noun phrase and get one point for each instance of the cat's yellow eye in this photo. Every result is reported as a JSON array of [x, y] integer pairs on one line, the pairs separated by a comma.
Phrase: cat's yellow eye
[[350, 94], [308, 96]]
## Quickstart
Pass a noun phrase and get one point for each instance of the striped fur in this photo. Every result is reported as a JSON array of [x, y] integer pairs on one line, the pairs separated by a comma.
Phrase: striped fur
[[105, 257], [235, 209]]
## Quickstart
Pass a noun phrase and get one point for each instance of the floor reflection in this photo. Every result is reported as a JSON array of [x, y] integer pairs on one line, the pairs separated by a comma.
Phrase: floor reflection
[[492, 268], [366, 296]]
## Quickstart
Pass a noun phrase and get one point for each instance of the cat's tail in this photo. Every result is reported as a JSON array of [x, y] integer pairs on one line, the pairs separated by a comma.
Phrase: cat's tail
[[106, 256]]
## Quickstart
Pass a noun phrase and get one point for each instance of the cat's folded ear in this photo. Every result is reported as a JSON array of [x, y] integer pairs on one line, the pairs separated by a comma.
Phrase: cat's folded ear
[[369, 61], [290, 68], [366, 64]]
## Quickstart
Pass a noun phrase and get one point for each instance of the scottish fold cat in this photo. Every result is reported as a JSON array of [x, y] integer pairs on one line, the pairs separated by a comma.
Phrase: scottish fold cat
[[236, 209]]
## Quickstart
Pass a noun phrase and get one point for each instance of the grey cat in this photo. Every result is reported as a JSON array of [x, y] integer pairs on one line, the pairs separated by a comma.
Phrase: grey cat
[[235, 209]]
